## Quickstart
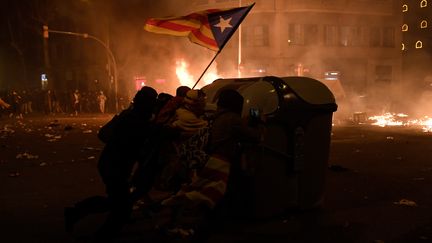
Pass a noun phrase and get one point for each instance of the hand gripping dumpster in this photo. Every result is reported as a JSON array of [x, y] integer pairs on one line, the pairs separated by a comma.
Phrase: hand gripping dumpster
[[287, 169]]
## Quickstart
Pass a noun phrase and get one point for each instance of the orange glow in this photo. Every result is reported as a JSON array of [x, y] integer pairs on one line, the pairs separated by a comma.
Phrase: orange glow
[[401, 120], [187, 79]]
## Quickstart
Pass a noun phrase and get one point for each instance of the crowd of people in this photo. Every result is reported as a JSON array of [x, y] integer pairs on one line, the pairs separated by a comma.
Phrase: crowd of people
[[173, 144], [19, 103]]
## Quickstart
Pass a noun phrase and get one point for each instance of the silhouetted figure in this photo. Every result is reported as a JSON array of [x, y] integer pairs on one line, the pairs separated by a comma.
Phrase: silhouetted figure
[[167, 112], [129, 135], [101, 98], [149, 170], [76, 102], [207, 190]]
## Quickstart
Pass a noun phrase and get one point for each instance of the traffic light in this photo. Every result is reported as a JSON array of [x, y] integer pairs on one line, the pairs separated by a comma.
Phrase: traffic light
[[45, 31]]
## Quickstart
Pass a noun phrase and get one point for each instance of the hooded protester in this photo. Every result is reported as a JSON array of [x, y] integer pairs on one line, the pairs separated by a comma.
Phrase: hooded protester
[[189, 117], [167, 112]]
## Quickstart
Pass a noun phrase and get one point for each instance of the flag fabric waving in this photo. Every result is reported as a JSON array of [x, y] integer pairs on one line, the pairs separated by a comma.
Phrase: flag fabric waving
[[211, 28]]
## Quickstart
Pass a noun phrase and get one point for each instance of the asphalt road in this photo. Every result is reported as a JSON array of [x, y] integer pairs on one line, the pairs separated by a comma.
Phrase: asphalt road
[[378, 187]]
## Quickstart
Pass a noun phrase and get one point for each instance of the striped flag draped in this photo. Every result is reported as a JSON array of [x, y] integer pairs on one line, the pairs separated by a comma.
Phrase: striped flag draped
[[210, 28]]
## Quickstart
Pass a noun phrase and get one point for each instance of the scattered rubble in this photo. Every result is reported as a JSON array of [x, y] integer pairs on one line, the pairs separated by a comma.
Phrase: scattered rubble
[[406, 202], [26, 155]]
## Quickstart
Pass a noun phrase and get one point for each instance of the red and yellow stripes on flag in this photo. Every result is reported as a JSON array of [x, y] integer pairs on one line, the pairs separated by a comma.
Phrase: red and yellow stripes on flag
[[195, 26], [208, 188]]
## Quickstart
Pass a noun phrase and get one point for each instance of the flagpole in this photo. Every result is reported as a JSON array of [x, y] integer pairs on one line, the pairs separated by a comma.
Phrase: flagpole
[[239, 60], [205, 70]]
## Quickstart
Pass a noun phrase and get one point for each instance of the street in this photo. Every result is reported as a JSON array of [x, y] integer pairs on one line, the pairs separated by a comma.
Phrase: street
[[377, 187]]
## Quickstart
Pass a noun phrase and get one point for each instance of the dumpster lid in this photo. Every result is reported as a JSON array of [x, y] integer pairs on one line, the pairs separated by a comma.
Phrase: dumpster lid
[[310, 90], [257, 94]]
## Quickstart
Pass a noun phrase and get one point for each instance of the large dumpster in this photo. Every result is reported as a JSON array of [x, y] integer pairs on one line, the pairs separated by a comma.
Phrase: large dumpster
[[287, 170]]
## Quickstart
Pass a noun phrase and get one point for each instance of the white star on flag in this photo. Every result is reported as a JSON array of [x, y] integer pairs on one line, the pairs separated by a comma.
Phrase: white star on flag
[[223, 24]]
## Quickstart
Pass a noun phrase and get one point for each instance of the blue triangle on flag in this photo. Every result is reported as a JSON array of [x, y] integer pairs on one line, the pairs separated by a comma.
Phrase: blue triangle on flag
[[223, 24]]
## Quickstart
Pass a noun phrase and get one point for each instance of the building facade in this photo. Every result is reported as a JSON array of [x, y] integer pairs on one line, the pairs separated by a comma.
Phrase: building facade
[[358, 41], [417, 42]]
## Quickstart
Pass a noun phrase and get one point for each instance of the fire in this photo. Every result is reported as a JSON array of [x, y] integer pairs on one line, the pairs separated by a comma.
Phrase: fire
[[187, 79], [390, 119], [387, 119]]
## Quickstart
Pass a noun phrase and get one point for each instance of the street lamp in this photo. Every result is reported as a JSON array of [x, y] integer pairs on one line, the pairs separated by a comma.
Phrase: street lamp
[[87, 36]]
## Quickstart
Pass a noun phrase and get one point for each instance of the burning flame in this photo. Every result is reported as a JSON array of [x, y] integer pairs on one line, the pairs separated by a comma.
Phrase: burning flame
[[389, 119], [189, 80], [185, 78]]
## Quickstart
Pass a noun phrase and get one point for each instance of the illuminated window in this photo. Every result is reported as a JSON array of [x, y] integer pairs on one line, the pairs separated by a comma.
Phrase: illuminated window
[[405, 27], [423, 24], [419, 45], [403, 47], [404, 8], [423, 4]]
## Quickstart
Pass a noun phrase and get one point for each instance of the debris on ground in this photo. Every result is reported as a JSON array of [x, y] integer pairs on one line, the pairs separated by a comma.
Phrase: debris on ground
[[14, 174], [26, 155], [91, 149], [54, 123], [406, 202], [337, 168]]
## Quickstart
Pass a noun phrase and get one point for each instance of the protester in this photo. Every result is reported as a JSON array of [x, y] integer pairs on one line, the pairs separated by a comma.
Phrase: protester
[[15, 100], [129, 135], [167, 112], [76, 102], [206, 191], [101, 98]]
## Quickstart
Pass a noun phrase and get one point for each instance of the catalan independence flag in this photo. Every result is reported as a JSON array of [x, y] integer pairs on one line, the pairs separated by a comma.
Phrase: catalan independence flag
[[211, 28]]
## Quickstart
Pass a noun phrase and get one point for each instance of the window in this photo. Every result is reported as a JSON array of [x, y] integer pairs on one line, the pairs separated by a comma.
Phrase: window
[[350, 36], [306, 34], [388, 37], [404, 8], [424, 24], [310, 34], [375, 37], [295, 34], [404, 27], [423, 4], [257, 36], [331, 35], [419, 45], [383, 73]]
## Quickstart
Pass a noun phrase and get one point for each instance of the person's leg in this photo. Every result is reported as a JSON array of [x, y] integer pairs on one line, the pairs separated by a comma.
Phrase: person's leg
[[120, 208], [91, 205]]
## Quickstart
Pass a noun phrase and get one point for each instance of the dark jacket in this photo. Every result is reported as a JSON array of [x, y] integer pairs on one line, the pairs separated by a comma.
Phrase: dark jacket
[[130, 135], [228, 130]]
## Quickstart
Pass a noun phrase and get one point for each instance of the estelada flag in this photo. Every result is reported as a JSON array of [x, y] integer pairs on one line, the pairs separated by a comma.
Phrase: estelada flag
[[211, 28]]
